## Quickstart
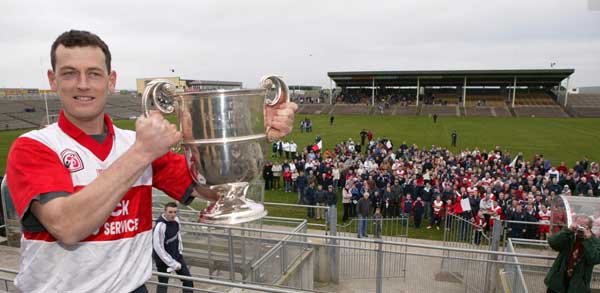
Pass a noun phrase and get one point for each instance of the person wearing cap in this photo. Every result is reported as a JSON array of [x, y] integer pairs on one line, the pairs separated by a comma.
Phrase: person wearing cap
[[578, 252]]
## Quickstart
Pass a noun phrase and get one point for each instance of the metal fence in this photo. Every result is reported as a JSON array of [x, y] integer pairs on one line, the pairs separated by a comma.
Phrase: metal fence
[[284, 253], [424, 269], [512, 276], [276, 262], [357, 259], [200, 284], [474, 273], [395, 228]]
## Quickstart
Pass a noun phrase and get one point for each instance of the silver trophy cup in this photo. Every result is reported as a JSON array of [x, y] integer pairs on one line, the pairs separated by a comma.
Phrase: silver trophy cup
[[224, 141]]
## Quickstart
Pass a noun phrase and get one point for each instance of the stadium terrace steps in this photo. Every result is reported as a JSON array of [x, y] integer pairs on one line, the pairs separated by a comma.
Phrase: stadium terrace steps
[[539, 111], [534, 99], [586, 112], [16, 124], [407, 110], [346, 109], [40, 105], [12, 106], [482, 111], [584, 100], [501, 112], [315, 109], [34, 118], [449, 110]]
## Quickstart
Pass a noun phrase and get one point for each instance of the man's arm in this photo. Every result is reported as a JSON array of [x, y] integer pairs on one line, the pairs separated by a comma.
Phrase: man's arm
[[158, 244], [560, 240], [591, 248], [72, 218]]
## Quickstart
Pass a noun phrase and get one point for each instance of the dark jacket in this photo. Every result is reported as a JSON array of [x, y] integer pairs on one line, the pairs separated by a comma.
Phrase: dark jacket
[[363, 207], [302, 182], [331, 197], [518, 216], [320, 196], [563, 242], [309, 195]]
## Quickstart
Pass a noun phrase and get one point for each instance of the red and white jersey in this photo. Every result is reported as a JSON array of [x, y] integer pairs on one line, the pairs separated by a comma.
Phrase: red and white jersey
[[495, 211], [472, 190], [117, 256], [544, 216], [437, 207], [487, 181]]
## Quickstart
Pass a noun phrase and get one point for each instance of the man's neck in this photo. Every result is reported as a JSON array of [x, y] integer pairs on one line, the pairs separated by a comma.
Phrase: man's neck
[[90, 127]]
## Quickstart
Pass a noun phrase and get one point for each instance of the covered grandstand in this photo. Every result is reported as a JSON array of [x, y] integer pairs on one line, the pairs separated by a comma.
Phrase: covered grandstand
[[494, 93]]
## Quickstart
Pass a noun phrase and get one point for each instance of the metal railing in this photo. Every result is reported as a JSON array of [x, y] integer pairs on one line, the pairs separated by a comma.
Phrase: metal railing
[[200, 284], [380, 255], [275, 263], [474, 274], [508, 225], [396, 227], [513, 272], [325, 226], [423, 272]]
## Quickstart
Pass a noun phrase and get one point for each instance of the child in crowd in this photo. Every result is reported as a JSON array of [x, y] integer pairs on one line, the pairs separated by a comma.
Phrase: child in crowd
[[377, 219]]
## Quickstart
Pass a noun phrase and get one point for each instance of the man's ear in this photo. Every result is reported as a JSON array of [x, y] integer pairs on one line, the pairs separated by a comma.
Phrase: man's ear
[[112, 81], [52, 80]]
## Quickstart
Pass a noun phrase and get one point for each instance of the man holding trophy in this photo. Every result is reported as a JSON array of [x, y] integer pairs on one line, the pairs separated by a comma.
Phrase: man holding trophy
[[82, 187]]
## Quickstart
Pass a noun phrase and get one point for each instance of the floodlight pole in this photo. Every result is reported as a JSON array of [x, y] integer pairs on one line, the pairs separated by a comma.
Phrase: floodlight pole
[[330, 91], [418, 87], [566, 91], [464, 97], [373, 92], [514, 93], [47, 113]]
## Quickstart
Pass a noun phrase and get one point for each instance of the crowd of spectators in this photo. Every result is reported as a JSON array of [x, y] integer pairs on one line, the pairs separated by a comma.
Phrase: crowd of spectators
[[429, 183], [306, 125], [385, 98]]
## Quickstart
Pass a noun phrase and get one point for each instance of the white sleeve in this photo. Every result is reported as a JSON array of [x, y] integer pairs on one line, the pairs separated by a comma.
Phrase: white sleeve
[[158, 243]]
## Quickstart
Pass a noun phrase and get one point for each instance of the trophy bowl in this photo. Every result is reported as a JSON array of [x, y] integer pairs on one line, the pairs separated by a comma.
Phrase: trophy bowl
[[224, 141]]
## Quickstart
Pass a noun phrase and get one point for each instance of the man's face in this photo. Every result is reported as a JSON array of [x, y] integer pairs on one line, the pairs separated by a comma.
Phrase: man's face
[[582, 221], [170, 213], [82, 81]]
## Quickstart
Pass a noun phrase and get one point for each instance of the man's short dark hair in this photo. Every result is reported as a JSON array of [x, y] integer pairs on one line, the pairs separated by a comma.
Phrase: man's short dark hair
[[171, 204], [76, 38]]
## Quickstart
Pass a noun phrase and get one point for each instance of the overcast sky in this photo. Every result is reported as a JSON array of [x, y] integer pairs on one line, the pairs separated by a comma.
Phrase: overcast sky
[[303, 40]]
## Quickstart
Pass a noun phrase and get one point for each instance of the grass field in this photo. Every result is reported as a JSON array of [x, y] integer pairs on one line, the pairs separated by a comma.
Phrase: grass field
[[560, 139]]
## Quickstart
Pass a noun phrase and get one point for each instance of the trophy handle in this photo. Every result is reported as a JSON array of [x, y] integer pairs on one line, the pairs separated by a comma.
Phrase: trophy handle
[[162, 93], [268, 81], [282, 92]]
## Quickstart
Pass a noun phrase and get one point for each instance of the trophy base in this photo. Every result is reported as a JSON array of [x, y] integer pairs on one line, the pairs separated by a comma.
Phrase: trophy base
[[232, 207]]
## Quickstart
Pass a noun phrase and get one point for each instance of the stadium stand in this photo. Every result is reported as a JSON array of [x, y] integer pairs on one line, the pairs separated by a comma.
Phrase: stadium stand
[[344, 109], [482, 111], [440, 110], [30, 112], [405, 110], [534, 99], [584, 105], [546, 112], [315, 109]]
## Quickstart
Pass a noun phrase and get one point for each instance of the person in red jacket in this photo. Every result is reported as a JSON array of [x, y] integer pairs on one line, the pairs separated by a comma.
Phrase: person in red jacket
[[544, 218], [287, 179], [437, 205], [479, 227]]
